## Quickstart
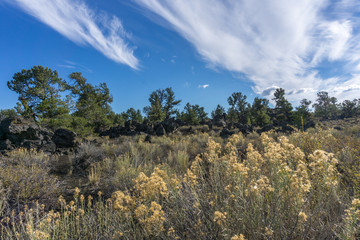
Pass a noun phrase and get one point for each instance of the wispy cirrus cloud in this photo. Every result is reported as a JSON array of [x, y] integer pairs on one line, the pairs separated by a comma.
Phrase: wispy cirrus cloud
[[275, 43], [76, 21], [72, 65], [204, 86]]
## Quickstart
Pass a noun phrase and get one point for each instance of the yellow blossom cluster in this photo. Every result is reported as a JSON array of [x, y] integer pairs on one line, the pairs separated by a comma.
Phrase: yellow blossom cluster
[[303, 216], [220, 218], [323, 168], [151, 187], [152, 219], [262, 185], [213, 151], [122, 202], [238, 237], [36, 234]]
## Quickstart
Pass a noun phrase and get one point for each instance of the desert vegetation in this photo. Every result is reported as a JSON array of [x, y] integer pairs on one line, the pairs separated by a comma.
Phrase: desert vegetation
[[200, 186], [248, 172]]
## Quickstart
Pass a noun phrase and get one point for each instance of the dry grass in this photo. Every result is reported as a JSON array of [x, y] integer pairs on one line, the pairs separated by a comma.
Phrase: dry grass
[[303, 186]]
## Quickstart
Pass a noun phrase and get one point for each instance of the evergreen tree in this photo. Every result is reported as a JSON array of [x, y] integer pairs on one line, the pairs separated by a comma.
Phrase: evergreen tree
[[6, 113], [193, 114], [302, 114], [39, 92], [283, 108], [219, 112], [133, 115], [239, 108], [162, 105], [259, 112], [325, 106], [349, 108], [92, 104]]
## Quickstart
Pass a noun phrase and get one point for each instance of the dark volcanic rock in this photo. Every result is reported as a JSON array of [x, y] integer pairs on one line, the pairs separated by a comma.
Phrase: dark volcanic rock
[[16, 129], [225, 133], [64, 138], [170, 125], [148, 138], [113, 132], [244, 128], [160, 130], [219, 123], [6, 145], [19, 132], [145, 128]]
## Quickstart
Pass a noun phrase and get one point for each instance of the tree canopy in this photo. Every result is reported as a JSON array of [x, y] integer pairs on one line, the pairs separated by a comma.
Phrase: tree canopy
[[39, 90], [259, 112], [325, 106], [193, 114], [162, 105], [239, 108], [283, 107], [85, 108], [92, 103]]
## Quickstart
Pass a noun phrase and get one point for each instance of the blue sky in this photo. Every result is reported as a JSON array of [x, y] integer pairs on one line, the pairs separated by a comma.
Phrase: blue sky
[[204, 49]]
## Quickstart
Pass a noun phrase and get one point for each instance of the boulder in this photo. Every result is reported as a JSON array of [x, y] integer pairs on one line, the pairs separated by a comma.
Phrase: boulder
[[148, 138], [219, 122], [160, 130], [113, 132], [244, 128], [64, 138], [145, 128], [169, 125], [18, 132], [6, 145], [225, 133]]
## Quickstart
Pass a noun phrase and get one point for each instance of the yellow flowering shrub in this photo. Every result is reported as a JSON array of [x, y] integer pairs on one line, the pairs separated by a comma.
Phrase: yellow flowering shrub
[[152, 219], [262, 187], [152, 187]]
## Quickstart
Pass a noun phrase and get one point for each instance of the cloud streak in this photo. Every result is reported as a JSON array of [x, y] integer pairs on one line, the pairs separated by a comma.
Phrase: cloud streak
[[76, 21], [274, 43], [204, 86]]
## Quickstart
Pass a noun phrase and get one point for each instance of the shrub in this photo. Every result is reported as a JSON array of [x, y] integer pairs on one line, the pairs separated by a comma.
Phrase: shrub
[[275, 191], [25, 176]]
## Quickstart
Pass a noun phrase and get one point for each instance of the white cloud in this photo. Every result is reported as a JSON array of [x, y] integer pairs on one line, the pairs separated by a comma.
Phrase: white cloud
[[76, 21], [204, 86], [73, 65], [274, 43]]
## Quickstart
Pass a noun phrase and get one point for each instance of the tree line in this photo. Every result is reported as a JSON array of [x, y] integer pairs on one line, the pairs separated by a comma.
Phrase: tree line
[[80, 106]]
